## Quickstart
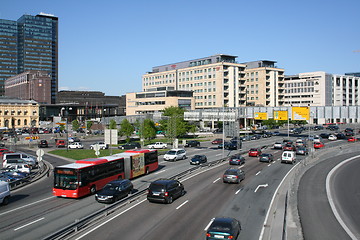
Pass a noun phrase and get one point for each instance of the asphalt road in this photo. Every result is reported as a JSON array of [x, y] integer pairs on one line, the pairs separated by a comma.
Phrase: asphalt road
[[317, 218], [35, 213]]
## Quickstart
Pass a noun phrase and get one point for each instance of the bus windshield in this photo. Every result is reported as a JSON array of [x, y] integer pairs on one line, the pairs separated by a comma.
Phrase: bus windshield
[[68, 182]]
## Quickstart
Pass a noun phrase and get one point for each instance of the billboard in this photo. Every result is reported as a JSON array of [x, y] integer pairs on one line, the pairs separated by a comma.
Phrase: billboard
[[280, 115], [260, 116], [300, 113]]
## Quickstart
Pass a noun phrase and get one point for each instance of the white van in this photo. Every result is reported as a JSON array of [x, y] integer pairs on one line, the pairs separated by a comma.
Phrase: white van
[[288, 157], [14, 156], [4, 193]]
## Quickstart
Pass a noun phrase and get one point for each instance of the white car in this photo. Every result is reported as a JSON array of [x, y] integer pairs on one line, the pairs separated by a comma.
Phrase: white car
[[75, 145], [19, 168], [278, 145], [332, 137], [157, 145], [175, 154], [102, 145]]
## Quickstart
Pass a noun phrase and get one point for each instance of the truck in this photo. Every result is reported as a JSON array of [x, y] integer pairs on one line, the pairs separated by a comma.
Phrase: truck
[[157, 145]]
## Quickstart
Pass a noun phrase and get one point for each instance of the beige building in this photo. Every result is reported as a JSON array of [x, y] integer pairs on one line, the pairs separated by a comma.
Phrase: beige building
[[215, 81], [154, 101], [15, 113], [264, 84]]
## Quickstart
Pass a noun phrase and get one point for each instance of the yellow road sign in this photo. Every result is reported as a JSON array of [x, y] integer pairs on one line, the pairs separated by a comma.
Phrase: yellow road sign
[[280, 115], [260, 116], [300, 113]]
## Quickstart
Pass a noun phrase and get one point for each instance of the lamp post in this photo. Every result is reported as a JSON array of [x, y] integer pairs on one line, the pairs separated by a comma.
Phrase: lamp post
[[108, 111], [66, 109]]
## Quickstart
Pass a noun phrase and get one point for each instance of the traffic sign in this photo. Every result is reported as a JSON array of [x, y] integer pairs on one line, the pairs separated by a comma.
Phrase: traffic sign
[[280, 115], [260, 116], [40, 152], [300, 113]]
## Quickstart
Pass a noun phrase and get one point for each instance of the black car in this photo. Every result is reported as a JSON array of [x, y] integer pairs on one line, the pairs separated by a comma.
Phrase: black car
[[223, 228], [192, 143], [266, 157], [114, 191], [349, 133], [340, 136], [233, 175], [130, 145], [236, 159], [197, 159], [233, 145], [324, 135], [165, 190], [43, 144]]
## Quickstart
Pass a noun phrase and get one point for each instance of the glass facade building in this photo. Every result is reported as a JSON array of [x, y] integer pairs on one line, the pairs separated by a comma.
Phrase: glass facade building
[[30, 43]]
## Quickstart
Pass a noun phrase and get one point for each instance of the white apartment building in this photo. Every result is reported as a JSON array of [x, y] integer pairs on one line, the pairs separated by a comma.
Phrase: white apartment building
[[321, 89]]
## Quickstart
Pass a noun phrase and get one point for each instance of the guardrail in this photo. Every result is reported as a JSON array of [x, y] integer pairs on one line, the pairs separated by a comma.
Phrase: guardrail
[[86, 221]]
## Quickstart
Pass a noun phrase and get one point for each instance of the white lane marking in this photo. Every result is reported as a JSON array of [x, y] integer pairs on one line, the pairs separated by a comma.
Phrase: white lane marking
[[272, 202], [218, 154], [258, 173], [216, 180], [207, 226], [331, 201], [269, 165], [182, 204], [160, 172], [261, 185], [238, 191], [12, 210], [29, 223], [110, 219]]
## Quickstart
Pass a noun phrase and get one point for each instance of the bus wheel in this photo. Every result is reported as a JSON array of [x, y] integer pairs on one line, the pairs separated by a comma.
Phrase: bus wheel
[[93, 190], [120, 177], [147, 171]]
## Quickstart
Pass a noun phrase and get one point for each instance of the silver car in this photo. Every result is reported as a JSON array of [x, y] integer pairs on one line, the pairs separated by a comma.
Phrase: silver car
[[233, 175]]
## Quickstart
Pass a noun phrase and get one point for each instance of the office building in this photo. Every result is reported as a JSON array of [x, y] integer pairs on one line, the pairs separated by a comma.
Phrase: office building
[[151, 102], [30, 43], [264, 84], [215, 81], [321, 89], [30, 85]]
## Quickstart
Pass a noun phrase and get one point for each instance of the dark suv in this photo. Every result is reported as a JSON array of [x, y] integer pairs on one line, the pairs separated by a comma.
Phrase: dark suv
[[114, 191], [165, 190]]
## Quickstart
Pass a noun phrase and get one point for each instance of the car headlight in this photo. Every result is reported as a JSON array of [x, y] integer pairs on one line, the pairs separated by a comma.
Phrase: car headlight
[[110, 196]]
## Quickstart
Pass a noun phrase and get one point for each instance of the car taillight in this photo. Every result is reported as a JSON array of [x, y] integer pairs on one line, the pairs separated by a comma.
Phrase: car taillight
[[231, 237], [166, 194], [208, 235]]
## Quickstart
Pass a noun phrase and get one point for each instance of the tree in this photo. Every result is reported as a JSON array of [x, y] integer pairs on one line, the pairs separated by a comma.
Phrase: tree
[[112, 124], [89, 125], [148, 130], [75, 125], [174, 124], [126, 129]]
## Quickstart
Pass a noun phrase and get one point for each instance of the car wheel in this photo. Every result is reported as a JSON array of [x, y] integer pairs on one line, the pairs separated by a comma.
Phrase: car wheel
[[170, 200], [183, 192], [147, 171], [93, 190], [5, 201], [184, 157]]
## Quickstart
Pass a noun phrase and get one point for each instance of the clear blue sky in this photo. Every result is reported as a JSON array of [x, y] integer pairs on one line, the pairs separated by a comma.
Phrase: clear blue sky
[[108, 45]]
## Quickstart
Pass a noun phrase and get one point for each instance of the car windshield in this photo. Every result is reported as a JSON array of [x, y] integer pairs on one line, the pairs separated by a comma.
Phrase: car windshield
[[111, 187], [197, 156], [171, 153], [253, 149], [157, 188]]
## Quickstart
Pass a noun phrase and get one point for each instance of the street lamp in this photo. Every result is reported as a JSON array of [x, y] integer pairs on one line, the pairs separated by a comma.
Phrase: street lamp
[[108, 111], [66, 109]]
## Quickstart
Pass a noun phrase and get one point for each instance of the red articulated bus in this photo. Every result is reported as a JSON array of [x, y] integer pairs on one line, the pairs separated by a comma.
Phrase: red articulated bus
[[86, 176]]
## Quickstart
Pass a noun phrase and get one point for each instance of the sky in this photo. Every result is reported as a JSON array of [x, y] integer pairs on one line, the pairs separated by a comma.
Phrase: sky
[[108, 45]]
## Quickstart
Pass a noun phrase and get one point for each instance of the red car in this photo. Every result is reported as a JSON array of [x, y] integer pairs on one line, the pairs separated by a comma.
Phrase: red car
[[318, 145], [289, 147], [254, 152], [217, 141], [352, 139]]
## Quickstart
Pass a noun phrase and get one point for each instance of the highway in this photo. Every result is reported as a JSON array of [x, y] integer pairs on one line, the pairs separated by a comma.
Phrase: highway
[[317, 215], [34, 213]]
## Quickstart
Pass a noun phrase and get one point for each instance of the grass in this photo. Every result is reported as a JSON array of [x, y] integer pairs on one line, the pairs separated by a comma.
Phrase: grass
[[78, 154]]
